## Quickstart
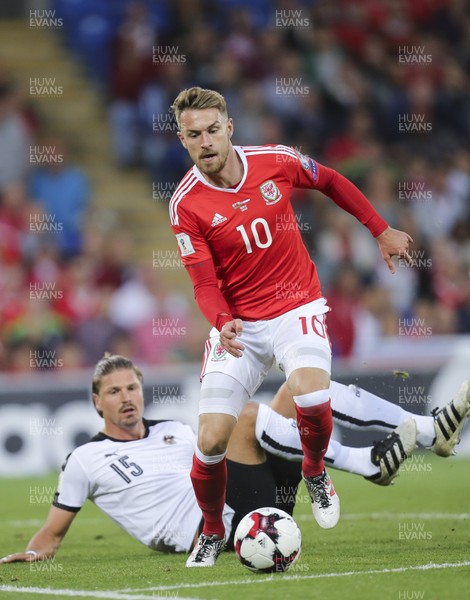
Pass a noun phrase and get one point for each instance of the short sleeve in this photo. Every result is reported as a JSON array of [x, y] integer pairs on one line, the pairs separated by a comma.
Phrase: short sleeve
[[74, 486]]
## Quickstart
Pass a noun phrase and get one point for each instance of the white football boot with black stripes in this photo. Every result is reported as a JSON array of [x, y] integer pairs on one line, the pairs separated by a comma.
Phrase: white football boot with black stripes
[[449, 421], [206, 551], [325, 500], [392, 451]]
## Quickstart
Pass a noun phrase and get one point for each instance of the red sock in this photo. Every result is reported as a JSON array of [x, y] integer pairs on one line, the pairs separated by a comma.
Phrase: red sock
[[315, 424], [209, 483]]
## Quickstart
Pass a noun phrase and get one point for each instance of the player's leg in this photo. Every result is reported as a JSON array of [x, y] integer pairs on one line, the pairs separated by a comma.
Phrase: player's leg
[[287, 476], [250, 482], [227, 383], [257, 479], [357, 408], [243, 446], [310, 389], [209, 470], [302, 349], [379, 463], [250, 439], [360, 409], [221, 400]]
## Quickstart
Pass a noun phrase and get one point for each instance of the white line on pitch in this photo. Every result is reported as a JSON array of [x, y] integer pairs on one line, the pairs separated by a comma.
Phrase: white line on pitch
[[38, 522], [392, 516], [112, 595], [277, 578]]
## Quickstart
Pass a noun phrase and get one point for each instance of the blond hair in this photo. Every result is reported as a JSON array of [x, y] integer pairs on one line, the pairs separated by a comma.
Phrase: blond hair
[[199, 99]]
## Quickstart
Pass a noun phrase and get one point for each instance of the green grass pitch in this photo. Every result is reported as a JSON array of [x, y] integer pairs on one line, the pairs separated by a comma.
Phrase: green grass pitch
[[408, 541]]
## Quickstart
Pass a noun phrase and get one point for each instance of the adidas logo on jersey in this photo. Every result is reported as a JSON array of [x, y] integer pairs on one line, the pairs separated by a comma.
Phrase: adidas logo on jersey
[[217, 220]]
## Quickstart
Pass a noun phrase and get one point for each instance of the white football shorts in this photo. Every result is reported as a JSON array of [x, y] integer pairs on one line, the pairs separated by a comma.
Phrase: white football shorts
[[295, 340]]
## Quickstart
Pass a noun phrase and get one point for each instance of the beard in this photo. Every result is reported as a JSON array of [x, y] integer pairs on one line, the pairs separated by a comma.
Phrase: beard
[[215, 166]]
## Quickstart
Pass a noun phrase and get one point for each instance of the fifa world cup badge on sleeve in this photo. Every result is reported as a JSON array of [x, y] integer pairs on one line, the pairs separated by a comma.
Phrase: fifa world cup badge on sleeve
[[184, 242]]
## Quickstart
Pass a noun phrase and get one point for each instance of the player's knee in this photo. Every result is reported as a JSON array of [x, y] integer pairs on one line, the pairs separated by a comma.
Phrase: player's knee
[[214, 432], [307, 381], [212, 443]]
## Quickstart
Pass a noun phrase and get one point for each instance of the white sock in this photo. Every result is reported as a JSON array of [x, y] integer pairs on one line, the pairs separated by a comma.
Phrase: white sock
[[426, 432], [353, 460]]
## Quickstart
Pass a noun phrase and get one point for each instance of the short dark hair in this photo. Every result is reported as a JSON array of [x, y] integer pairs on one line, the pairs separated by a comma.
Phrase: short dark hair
[[108, 364]]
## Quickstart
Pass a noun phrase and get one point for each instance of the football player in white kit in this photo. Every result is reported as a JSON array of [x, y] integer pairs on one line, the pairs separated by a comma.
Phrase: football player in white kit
[[138, 471]]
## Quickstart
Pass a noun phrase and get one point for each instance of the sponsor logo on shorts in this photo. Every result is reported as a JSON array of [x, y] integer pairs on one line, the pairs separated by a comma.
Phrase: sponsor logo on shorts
[[218, 353], [270, 192]]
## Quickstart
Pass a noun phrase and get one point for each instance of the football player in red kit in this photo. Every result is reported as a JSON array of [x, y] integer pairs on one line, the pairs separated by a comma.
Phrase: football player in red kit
[[256, 284]]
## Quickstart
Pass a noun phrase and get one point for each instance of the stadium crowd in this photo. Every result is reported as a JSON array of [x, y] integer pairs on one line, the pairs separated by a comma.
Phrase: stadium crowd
[[377, 90]]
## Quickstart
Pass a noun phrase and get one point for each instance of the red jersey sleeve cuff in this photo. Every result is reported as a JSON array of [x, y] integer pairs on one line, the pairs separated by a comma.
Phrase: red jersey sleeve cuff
[[221, 320], [376, 225]]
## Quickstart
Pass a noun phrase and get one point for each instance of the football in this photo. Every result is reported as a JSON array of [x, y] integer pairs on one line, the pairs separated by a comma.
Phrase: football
[[267, 540]]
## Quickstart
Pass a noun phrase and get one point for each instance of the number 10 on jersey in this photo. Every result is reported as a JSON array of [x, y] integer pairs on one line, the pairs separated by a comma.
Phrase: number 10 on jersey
[[256, 234]]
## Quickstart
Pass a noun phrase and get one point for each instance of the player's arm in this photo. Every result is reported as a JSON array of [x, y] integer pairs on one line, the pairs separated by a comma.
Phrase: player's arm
[[214, 307], [46, 541], [197, 258], [347, 196]]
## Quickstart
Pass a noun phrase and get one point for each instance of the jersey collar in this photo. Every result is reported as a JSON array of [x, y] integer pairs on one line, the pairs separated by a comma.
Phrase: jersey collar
[[202, 179], [99, 437]]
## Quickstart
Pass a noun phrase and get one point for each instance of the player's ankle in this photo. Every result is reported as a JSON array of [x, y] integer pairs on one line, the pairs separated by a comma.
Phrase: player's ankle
[[217, 530]]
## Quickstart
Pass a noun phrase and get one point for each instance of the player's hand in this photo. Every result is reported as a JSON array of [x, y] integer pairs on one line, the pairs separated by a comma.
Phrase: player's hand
[[228, 337], [19, 557], [393, 242]]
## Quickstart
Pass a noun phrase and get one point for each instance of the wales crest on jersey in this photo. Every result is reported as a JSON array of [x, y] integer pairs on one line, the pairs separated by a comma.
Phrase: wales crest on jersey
[[270, 192]]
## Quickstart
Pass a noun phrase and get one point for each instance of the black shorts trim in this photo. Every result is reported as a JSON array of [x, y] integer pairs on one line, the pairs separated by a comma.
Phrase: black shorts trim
[[348, 419], [269, 440]]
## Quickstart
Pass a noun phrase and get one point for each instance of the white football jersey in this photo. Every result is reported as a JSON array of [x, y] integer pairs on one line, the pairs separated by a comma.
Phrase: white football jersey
[[142, 485]]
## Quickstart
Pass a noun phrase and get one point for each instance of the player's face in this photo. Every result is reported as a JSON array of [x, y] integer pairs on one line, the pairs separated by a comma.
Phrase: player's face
[[121, 399], [206, 136]]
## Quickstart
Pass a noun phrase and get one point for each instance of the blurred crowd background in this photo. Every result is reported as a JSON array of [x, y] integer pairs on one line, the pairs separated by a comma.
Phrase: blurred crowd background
[[332, 79]]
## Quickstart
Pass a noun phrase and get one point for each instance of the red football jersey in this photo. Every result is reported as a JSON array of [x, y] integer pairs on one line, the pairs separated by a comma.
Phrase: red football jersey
[[250, 232]]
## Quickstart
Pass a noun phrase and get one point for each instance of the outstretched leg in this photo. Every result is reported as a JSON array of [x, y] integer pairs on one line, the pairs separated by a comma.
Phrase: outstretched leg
[[357, 408], [380, 463]]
